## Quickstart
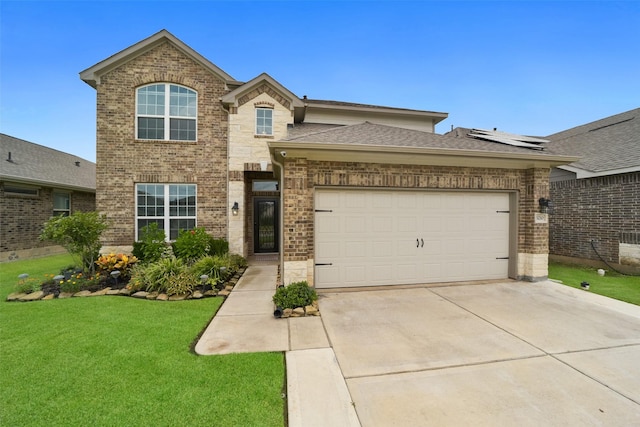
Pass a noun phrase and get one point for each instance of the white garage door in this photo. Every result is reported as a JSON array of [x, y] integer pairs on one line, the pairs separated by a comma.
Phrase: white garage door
[[373, 237]]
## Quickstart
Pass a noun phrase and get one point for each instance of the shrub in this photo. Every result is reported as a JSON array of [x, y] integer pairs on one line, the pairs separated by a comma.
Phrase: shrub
[[28, 284], [179, 284], [297, 294], [192, 244], [237, 261], [163, 276], [79, 233], [213, 267], [219, 247], [120, 262], [151, 246]]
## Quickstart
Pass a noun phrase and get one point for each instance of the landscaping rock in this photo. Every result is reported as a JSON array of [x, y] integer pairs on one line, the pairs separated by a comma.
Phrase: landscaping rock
[[125, 291], [211, 293], [82, 294], [310, 310], [197, 295], [65, 295], [228, 288], [33, 296], [101, 292], [48, 297], [140, 294], [16, 296], [162, 297], [297, 312], [114, 291], [152, 295], [224, 293], [178, 297], [286, 312]]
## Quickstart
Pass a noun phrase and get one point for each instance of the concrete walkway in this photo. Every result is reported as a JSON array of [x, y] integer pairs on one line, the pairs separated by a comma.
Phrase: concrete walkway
[[508, 353]]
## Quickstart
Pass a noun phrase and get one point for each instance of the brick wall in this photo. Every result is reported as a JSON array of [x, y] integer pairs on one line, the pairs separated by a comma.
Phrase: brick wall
[[22, 217], [123, 161], [301, 176], [602, 209]]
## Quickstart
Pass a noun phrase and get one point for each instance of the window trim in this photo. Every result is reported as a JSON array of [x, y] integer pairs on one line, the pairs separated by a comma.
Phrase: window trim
[[263, 108], [65, 212], [167, 113], [166, 218]]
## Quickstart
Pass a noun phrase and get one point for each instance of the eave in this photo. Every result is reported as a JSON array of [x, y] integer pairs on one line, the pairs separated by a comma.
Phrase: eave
[[371, 110], [43, 183]]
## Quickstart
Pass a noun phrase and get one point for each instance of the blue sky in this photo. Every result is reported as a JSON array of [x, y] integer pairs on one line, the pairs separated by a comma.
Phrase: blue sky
[[524, 67]]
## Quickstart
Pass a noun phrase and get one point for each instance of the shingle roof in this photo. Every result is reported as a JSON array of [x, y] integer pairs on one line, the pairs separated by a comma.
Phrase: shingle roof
[[374, 134], [609, 144], [42, 165]]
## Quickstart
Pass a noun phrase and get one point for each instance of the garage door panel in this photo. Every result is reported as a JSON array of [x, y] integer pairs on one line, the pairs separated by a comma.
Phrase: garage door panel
[[400, 237]]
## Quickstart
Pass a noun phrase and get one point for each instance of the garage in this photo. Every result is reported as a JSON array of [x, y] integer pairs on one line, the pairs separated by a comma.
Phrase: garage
[[373, 237]]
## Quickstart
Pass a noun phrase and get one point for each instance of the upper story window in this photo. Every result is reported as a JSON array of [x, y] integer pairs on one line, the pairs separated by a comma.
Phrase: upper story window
[[61, 204], [160, 104], [264, 121]]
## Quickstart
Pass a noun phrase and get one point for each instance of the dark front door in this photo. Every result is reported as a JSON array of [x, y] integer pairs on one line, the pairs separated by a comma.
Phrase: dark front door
[[265, 225]]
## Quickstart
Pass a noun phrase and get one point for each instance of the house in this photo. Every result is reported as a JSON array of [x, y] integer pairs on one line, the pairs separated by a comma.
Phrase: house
[[596, 214], [37, 183], [345, 194]]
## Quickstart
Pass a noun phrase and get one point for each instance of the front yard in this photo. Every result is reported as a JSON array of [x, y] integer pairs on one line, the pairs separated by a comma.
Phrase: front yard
[[612, 284], [116, 361]]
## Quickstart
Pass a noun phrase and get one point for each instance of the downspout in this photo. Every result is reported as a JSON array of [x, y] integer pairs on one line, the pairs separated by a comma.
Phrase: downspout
[[227, 166], [281, 231]]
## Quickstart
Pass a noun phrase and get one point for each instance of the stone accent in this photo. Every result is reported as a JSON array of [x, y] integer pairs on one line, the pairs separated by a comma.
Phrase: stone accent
[[203, 162], [603, 209], [533, 267]]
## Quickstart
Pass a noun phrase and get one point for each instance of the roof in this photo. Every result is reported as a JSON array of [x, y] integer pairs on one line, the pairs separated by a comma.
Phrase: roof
[[340, 105], [35, 164], [374, 143], [92, 74], [606, 147]]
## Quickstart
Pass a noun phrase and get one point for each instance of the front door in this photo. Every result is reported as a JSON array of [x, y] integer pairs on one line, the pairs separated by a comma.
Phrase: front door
[[265, 225]]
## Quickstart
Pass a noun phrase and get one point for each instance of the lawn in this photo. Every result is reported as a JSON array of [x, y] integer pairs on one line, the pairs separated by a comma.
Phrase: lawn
[[117, 361], [612, 284]]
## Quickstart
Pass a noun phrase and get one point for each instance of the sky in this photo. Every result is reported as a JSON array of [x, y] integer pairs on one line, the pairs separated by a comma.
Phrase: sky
[[525, 67]]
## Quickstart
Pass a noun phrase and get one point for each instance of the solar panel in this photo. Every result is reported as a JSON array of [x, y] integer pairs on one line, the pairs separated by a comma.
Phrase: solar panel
[[508, 138]]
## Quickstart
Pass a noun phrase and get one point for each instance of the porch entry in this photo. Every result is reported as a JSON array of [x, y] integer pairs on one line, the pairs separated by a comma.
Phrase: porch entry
[[265, 225]]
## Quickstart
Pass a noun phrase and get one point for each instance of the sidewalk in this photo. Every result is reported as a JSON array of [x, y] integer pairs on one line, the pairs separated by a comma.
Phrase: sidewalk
[[316, 390]]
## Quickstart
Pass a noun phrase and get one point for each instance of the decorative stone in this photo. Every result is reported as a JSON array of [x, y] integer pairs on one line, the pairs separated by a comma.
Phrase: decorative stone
[[101, 292], [125, 291], [228, 288], [33, 296], [311, 310], [16, 296], [287, 312], [113, 291], [211, 293], [65, 295], [224, 293], [82, 294], [297, 312], [197, 295], [140, 294], [178, 297], [48, 297], [152, 295], [162, 297]]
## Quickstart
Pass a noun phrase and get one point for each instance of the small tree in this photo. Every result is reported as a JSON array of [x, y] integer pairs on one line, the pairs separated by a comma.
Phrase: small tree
[[79, 233]]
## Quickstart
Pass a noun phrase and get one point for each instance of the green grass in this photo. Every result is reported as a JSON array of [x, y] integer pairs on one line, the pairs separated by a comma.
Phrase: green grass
[[116, 361], [612, 284]]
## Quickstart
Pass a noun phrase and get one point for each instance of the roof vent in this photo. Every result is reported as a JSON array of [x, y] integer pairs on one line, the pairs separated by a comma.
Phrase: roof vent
[[9, 159], [78, 164], [508, 138]]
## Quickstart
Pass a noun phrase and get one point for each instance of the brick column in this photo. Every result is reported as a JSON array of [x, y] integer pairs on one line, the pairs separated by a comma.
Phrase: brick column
[[533, 233]]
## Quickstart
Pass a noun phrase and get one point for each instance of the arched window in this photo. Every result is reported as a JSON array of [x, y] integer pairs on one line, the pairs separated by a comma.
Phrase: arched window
[[154, 111]]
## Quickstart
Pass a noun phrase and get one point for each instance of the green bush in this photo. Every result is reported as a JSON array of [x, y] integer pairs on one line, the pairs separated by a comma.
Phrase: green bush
[[79, 233], [297, 294], [219, 247], [155, 277], [28, 285], [192, 244], [216, 267], [151, 246], [237, 262]]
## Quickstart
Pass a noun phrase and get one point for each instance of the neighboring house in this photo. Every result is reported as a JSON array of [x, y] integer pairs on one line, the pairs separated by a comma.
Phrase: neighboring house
[[597, 199], [37, 183], [346, 194]]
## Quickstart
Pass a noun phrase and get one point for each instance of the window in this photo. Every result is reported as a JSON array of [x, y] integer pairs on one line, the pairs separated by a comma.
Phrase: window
[[264, 121], [264, 185], [21, 190], [153, 112], [171, 206], [61, 204]]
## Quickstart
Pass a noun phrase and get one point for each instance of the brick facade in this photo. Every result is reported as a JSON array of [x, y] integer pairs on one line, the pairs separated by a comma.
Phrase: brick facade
[[22, 219], [123, 161], [603, 209], [302, 176]]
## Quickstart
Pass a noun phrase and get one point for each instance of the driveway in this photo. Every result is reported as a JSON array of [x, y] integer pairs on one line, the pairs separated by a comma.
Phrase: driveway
[[509, 353]]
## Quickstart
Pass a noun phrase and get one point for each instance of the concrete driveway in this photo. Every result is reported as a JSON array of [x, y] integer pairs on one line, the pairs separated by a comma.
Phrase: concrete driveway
[[509, 353]]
